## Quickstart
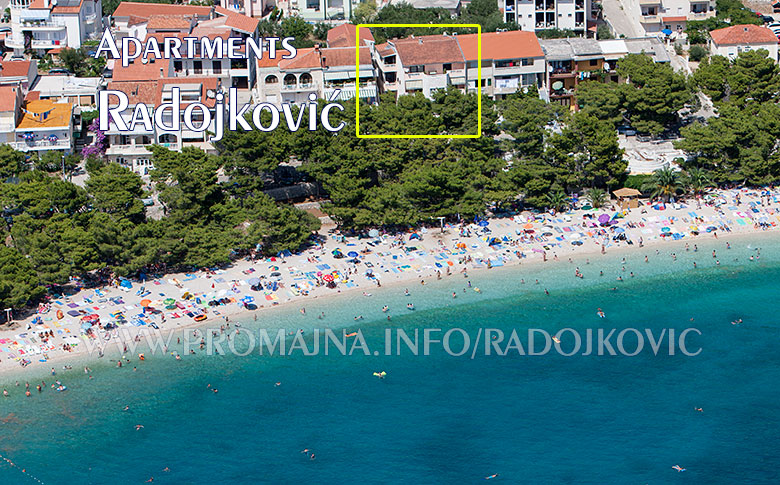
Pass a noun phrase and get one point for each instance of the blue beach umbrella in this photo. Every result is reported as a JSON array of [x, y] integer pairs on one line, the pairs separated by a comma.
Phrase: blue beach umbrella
[[666, 32], [483, 223], [352, 254]]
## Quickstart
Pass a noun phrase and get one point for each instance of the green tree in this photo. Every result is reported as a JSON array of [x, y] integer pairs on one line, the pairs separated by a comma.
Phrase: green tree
[[118, 191], [557, 201], [19, 283], [11, 162], [597, 197], [665, 183], [696, 180]]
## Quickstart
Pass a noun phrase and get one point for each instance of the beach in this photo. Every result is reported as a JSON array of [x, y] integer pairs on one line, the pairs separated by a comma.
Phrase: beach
[[360, 266]]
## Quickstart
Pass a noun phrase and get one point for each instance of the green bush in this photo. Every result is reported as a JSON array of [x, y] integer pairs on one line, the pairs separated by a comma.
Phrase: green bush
[[697, 53]]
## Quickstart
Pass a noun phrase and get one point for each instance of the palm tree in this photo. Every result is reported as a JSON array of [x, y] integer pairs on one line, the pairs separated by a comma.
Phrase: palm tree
[[696, 180], [596, 197], [664, 183], [556, 200]]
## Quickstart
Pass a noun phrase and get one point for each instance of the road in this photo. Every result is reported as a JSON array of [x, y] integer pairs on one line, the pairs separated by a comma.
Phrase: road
[[614, 13]]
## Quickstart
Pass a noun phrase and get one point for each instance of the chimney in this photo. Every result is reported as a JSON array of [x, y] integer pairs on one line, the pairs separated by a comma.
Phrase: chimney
[[316, 47], [162, 73], [45, 3]]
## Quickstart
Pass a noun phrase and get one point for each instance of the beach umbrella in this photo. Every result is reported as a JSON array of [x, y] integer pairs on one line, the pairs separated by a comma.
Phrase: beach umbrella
[[352, 254], [275, 273], [666, 229], [328, 278], [528, 226], [169, 301], [619, 230], [145, 302], [603, 218], [373, 233], [253, 281], [577, 243], [666, 32], [483, 223]]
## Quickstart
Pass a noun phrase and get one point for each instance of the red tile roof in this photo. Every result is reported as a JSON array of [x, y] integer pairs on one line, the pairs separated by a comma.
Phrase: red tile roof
[[306, 59], [428, 49], [15, 68], [238, 21], [146, 10], [39, 5], [743, 34], [138, 92], [344, 35], [178, 22], [345, 56], [140, 71], [515, 44]]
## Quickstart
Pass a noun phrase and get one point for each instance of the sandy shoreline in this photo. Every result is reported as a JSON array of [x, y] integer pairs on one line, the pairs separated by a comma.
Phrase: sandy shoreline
[[394, 260]]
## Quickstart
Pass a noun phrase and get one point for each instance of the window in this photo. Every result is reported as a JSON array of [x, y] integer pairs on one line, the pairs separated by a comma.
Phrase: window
[[416, 68], [177, 66], [216, 66], [271, 80], [527, 62], [305, 79], [389, 60], [197, 67], [594, 62], [390, 77], [447, 67]]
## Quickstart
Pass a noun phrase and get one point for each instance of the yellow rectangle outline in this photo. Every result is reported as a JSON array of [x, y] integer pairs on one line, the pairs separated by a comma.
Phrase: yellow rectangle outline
[[465, 67]]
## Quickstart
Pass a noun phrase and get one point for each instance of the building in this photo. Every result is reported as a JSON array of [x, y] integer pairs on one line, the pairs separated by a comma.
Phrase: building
[[41, 25], [655, 16], [571, 61], [23, 73], [318, 10], [533, 15], [510, 61], [420, 64], [250, 8], [318, 71], [145, 20], [11, 99], [130, 148], [81, 91], [730, 41], [452, 6], [44, 125]]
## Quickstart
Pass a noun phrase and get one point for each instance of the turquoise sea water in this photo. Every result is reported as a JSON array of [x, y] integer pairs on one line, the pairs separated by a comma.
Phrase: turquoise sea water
[[445, 419]]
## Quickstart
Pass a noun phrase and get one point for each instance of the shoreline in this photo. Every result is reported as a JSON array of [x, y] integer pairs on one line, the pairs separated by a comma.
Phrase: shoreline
[[411, 272]]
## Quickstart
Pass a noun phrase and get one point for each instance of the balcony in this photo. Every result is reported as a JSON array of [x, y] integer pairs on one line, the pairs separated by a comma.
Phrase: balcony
[[90, 18], [47, 43], [701, 15], [299, 87], [650, 19], [562, 72], [128, 150], [41, 145], [562, 93], [39, 26]]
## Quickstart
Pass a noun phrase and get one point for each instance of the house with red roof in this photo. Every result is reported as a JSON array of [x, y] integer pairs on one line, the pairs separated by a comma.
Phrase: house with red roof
[[40, 25], [130, 148], [731, 41], [511, 60], [420, 64]]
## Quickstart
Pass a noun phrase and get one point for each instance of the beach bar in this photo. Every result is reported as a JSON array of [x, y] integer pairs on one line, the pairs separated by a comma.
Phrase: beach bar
[[627, 198]]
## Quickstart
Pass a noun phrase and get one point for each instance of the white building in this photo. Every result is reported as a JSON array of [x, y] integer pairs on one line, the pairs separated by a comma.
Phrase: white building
[[420, 64], [730, 41], [511, 61], [44, 125], [657, 15], [532, 15], [314, 10], [130, 148], [41, 25]]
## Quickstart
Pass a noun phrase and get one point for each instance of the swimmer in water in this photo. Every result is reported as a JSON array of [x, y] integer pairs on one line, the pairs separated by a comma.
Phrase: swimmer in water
[[699, 410], [678, 468], [556, 340], [491, 476], [139, 426]]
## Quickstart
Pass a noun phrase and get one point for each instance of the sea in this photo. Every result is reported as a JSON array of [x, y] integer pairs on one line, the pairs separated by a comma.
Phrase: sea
[[710, 408]]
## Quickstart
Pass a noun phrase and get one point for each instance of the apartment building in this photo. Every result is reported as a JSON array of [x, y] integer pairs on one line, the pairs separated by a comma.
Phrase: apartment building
[[130, 148], [571, 61], [40, 25], [11, 99], [319, 10], [656, 16], [533, 15], [44, 125], [731, 41], [250, 8], [318, 71], [144, 20], [23, 73], [510, 61], [420, 64]]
